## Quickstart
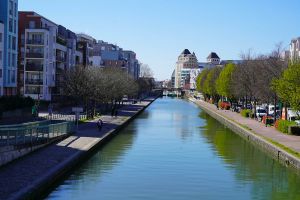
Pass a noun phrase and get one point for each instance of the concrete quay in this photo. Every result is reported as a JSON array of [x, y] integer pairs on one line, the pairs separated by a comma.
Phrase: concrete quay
[[276, 143], [30, 176]]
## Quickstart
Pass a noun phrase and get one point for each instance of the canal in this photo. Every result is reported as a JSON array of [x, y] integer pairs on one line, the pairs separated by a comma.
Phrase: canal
[[174, 150]]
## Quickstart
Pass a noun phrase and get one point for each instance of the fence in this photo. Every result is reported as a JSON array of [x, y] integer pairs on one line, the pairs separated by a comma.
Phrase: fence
[[34, 134], [63, 117]]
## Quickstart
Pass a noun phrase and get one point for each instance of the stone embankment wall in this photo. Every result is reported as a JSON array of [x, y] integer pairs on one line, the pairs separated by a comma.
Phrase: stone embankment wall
[[275, 151]]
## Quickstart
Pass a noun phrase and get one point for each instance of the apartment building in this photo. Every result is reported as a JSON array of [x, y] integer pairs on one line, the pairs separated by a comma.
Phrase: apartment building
[[186, 61], [46, 50], [9, 19], [85, 44], [295, 49], [37, 68], [133, 66], [1, 56]]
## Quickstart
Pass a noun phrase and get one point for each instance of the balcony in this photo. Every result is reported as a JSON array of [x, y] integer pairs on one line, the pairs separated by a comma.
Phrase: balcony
[[34, 55], [35, 42], [33, 67], [34, 81], [61, 41]]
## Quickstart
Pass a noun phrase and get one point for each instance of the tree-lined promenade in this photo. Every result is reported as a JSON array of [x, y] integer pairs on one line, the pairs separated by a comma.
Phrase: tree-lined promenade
[[257, 79], [97, 86]]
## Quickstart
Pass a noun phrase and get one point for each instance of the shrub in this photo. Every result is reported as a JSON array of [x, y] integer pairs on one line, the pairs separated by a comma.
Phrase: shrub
[[246, 112], [8, 103], [283, 125], [276, 124]]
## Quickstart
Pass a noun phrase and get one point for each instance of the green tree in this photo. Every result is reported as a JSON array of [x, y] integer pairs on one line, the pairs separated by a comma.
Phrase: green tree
[[224, 81], [209, 86], [288, 86], [200, 80]]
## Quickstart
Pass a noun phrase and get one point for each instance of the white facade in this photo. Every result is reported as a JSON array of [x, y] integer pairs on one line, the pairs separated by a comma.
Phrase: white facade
[[188, 61], [40, 61], [1, 56], [295, 49], [193, 78]]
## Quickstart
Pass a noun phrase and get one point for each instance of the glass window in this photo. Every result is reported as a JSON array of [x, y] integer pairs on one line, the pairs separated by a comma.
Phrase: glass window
[[1, 37], [0, 73], [15, 26], [8, 74], [13, 60], [14, 43], [13, 77], [0, 55], [32, 24], [10, 25], [9, 42], [11, 7], [8, 59], [16, 10]]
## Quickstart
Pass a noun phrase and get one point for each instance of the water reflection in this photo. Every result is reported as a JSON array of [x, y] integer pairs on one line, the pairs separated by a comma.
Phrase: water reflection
[[269, 179]]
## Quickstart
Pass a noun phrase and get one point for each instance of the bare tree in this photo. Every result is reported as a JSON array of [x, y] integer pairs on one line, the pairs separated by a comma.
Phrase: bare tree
[[145, 71]]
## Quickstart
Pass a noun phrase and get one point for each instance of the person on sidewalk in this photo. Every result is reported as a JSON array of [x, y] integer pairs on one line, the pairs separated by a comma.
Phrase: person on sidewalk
[[99, 124]]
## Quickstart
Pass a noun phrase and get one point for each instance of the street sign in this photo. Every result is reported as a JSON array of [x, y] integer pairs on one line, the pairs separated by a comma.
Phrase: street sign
[[77, 109]]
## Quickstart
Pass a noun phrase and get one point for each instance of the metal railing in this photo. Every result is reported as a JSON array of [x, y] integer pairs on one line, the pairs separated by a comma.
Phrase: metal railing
[[34, 134], [66, 117]]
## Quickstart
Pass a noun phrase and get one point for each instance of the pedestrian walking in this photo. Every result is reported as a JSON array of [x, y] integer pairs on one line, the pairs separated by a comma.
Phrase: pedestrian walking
[[99, 124]]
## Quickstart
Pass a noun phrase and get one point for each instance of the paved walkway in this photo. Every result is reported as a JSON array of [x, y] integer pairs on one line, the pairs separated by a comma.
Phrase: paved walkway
[[24, 175], [290, 141]]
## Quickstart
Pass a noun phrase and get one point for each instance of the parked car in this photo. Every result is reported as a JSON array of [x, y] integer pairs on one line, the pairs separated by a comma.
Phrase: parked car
[[272, 108], [260, 112]]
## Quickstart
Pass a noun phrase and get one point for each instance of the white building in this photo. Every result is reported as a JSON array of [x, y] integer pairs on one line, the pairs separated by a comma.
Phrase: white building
[[295, 49], [1, 56], [193, 78], [186, 61], [39, 58]]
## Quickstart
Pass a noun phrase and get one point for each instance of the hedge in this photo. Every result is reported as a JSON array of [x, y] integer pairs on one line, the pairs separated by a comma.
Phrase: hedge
[[246, 112], [8, 103], [283, 125]]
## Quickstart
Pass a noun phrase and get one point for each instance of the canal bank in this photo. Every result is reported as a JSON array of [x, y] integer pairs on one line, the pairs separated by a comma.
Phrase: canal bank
[[29, 177], [280, 146]]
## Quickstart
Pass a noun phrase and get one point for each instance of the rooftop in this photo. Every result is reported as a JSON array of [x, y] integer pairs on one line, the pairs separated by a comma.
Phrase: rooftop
[[186, 52], [213, 55]]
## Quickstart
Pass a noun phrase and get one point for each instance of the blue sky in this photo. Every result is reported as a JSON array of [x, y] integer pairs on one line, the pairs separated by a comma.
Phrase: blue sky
[[159, 30]]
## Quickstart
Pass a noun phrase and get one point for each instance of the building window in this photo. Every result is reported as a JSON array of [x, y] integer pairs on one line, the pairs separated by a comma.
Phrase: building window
[[10, 25], [0, 73], [15, 26], [8, 75], [13, 77], [1, 37], [11, 7], [14, 43], [13, 60], [9, 42], [8, 59], [16, 10], [0, 55], [32, 24]]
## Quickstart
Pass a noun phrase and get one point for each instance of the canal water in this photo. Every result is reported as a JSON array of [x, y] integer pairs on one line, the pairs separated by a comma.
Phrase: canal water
[[174, 150]]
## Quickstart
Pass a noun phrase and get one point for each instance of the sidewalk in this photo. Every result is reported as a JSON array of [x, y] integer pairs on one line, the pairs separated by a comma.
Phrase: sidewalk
[[290, 141], [41, 168]]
